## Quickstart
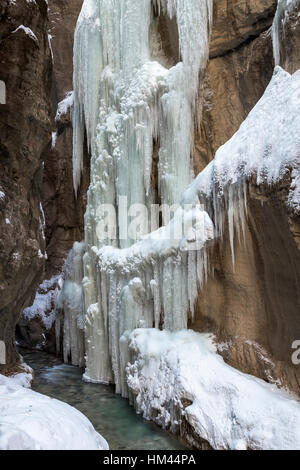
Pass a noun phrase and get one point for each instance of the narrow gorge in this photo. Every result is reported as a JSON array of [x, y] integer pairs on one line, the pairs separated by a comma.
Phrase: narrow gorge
[[150, 221]]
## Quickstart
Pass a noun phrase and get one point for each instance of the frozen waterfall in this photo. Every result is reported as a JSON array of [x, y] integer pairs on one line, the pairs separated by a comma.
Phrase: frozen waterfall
[[137, 67]]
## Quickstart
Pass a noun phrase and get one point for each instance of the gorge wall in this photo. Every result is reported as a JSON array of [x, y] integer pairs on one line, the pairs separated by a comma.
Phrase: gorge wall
[[26, 69]]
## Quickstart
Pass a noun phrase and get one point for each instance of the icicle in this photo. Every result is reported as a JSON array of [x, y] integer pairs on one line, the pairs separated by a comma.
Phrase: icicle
[[70, 307], [284, 7]]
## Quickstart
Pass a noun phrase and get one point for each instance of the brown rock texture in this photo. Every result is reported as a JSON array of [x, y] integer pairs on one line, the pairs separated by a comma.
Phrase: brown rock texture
[[238, 21], [233, 84], [63, 211], [253, 308], [25, 130]]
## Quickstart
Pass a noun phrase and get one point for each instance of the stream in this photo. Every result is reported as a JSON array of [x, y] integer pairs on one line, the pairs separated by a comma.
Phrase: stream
[[111, 415]]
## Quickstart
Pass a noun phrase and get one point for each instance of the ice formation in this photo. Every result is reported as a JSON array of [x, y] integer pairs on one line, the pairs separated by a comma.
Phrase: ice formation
[[229, 409], [154, 282], [283, 9], [135, 93], [69, 323], [31, 421]]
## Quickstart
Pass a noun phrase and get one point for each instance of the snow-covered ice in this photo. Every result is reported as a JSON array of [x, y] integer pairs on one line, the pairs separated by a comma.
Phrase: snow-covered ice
[[69, 309], [44, 305], [31, 421], [229, 409], [129, 97]]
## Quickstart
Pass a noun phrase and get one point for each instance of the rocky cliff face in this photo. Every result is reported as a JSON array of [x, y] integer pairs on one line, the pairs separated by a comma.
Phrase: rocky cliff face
[[63, 212], [25, 131], [253, 309]]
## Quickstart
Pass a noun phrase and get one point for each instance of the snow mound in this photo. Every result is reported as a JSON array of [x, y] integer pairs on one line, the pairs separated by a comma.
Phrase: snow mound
[[31, 421], [227, 408]]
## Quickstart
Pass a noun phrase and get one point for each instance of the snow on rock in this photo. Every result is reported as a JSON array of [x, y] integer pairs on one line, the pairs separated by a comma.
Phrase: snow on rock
[[54, 140], [64, 105], [31, 421], [27, 31], [44, 305], [229, 409], [266, 146]]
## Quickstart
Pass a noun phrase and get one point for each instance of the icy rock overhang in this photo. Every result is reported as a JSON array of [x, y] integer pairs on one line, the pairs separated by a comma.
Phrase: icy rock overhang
[[265, 147], [229, 409]]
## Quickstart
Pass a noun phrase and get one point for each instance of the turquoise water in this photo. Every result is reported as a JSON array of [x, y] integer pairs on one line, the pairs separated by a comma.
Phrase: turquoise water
[[110, 414]]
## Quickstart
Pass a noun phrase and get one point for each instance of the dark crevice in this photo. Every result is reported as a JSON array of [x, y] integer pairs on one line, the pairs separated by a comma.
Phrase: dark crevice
[[164, 39], [239, 46]]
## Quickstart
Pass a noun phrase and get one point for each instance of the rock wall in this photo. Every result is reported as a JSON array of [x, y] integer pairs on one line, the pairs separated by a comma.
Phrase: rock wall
[[63, 212], [237, 22], [253, 309], [25, 130]]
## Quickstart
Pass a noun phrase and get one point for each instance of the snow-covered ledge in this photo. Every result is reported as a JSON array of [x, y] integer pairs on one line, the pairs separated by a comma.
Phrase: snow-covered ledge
[[179, 378], [31, 421]]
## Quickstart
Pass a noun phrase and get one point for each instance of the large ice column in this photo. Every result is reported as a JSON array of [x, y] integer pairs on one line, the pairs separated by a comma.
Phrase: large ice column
[[152, 283], [126, 101], [284, 7], [137, 65]]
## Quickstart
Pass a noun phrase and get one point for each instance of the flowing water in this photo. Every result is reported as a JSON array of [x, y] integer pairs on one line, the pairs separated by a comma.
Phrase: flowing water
[[110, 414]]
